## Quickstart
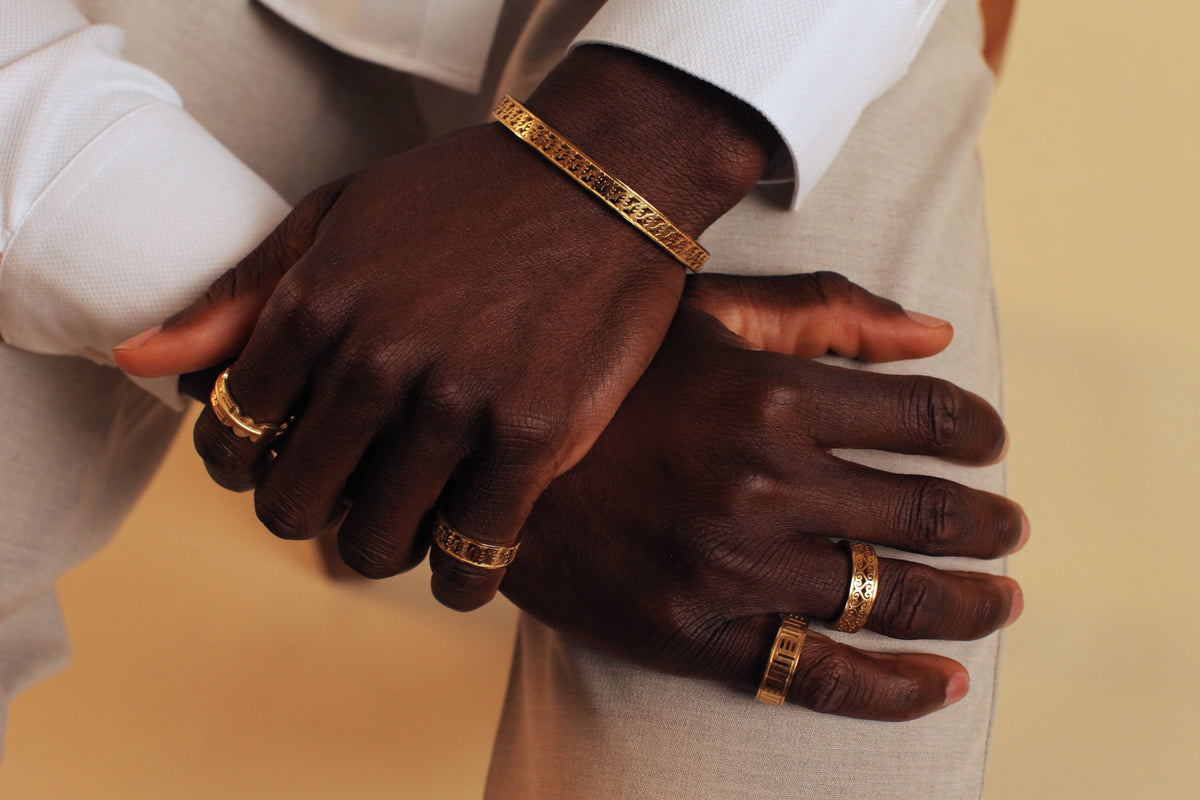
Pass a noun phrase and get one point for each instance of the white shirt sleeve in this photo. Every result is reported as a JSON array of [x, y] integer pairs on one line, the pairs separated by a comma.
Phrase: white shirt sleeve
[[116, 207], [809, 67]]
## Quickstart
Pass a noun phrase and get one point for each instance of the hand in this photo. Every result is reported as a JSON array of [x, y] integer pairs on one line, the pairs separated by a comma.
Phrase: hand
[[463, 316], [702, 510]]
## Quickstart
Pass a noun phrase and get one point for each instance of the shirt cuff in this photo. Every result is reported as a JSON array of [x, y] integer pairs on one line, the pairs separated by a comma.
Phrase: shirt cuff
[[136, 226], [810, 67]]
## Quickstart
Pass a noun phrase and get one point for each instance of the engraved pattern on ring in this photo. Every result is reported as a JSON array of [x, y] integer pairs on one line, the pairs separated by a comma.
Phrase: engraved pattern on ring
[[864, 585], [469, 551], [781, 665], [625, 201], [230, 415]]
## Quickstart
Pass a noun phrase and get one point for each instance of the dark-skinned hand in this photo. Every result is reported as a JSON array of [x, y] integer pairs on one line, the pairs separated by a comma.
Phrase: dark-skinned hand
[[703, 509], [463, 308], [706, 502]]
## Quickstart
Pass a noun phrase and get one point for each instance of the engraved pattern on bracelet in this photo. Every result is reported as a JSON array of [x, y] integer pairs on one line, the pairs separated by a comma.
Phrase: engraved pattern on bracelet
[[781, 666], [230, 415], [588, 173], [469, 551], [864, 585]]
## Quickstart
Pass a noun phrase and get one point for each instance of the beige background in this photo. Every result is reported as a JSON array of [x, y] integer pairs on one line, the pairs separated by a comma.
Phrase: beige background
[[211, 662]]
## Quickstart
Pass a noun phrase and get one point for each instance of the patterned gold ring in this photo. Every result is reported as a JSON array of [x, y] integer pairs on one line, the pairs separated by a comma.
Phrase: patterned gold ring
[[864, 586], [465, 549], [231, 416], [781, 666]]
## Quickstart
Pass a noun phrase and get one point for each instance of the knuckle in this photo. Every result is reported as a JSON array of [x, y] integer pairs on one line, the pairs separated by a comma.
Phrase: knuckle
[[370, 371], [219, 450], [934, 517], [305, 314], [690, 633], [525, 436], [370, 557], [833, 288], [773, 403], [936, 409], [706, 548], [734, 492], [828, 684], [913, 605], [461, 587], [283, 516], [446, 402]]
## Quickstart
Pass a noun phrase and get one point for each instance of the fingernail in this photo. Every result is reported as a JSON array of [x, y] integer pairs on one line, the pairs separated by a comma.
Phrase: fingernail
[[137, 341], [1025, 530], [1003, 450], [1018, 605], [957, 688], [925, 319]]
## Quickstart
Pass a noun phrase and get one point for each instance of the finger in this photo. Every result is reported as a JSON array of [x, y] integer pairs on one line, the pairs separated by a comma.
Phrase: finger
[[293, 337], [303, 492], [921, 514], [216, 326], [491, 497], [913, 601], [811, 314], [233, 460], [914, 414], [233, 463], [382, 535], [835, 678]]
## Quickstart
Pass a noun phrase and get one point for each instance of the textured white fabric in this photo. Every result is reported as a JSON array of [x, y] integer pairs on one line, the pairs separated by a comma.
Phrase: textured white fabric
[[102, 177], [444, 40], [809, 66]]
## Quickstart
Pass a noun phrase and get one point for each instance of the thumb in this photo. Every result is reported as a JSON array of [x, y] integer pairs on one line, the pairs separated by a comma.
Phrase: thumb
[[217, 326], [815, 313]]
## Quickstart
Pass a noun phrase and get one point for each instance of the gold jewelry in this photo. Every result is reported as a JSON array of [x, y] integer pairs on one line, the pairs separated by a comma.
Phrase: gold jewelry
[[625, 201], [781, 666], [231, 416], [454, 544], [864, 586]]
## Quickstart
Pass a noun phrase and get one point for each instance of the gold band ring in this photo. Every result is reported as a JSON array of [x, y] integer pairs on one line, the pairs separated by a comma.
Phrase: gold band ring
[[462, 548], [864, 586], [781, 666], [231, 416]]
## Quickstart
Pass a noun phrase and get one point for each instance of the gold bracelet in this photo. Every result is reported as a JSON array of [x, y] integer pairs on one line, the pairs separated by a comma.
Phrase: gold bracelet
[[625, 201]]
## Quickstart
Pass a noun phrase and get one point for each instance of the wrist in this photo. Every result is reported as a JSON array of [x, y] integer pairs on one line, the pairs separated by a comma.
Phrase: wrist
[[691, 149]]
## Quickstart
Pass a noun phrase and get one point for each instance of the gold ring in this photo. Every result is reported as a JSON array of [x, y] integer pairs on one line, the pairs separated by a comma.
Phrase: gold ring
[[781, 666], [479, 554], [864, 586], [231, 416]]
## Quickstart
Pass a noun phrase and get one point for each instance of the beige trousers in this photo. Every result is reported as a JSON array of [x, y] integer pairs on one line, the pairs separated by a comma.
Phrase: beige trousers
[[899, 212]]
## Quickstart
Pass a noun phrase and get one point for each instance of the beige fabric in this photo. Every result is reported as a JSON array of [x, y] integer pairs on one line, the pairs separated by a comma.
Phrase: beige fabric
[[900, 212]]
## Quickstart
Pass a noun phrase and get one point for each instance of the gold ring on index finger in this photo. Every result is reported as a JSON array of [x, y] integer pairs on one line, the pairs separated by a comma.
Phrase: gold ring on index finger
[[231, 416]]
